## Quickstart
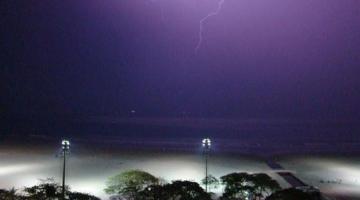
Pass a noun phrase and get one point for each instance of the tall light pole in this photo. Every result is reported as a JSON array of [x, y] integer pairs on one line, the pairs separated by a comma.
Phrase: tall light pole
[[65, 144], [206, 144]]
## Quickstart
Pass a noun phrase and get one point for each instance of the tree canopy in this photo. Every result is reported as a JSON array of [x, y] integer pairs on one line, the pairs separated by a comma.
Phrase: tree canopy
[[244, 185], [81, 196], [130, 183], [9, 194], [263, 185], [291, 194], [47, 189], [177, 190], [211, 181]]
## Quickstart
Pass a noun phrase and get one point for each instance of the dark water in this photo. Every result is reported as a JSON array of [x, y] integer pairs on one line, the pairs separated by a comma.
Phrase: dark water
[[246, 136]]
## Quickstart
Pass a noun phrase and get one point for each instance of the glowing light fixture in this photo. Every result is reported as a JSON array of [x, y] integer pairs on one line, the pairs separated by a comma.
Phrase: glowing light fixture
[[65, 145], [206, 143]]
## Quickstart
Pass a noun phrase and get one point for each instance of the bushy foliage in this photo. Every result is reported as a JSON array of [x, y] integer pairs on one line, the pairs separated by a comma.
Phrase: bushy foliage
[[179, 190], [9, 194], [129, 184], [47, 189], [244, 186], [263, 185], [81, 196], [211, 181], [140, 185], [291, 194]]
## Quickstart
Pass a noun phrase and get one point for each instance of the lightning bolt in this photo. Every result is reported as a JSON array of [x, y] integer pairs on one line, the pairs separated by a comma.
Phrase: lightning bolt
[[203, 20]]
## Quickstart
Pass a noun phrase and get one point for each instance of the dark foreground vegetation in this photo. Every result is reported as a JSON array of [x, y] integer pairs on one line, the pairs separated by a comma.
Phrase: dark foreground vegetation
[[46, 190], [140, 185]]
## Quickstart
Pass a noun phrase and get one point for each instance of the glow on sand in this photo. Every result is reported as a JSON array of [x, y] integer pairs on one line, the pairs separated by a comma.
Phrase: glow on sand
[[332, 175], [88, 172]]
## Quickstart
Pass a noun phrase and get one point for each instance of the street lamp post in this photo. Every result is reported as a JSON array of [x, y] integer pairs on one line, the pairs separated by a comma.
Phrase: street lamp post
[[206, 144], [65, 144]]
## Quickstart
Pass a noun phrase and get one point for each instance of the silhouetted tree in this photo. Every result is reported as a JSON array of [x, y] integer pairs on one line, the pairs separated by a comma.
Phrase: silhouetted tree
[[290, 194], [177, 190], [81, 196], [237, 186], [46, 190], [243, 186], [9, 194], [263, 185], [130, 183], [152, 192], [212, 182]]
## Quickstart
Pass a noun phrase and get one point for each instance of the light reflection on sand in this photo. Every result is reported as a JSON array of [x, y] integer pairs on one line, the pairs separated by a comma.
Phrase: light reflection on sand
[[88, 170], [332, 175]]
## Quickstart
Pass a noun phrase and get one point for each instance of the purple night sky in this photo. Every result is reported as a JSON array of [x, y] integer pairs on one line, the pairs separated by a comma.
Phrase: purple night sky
[[138, 84], [268, 59]]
